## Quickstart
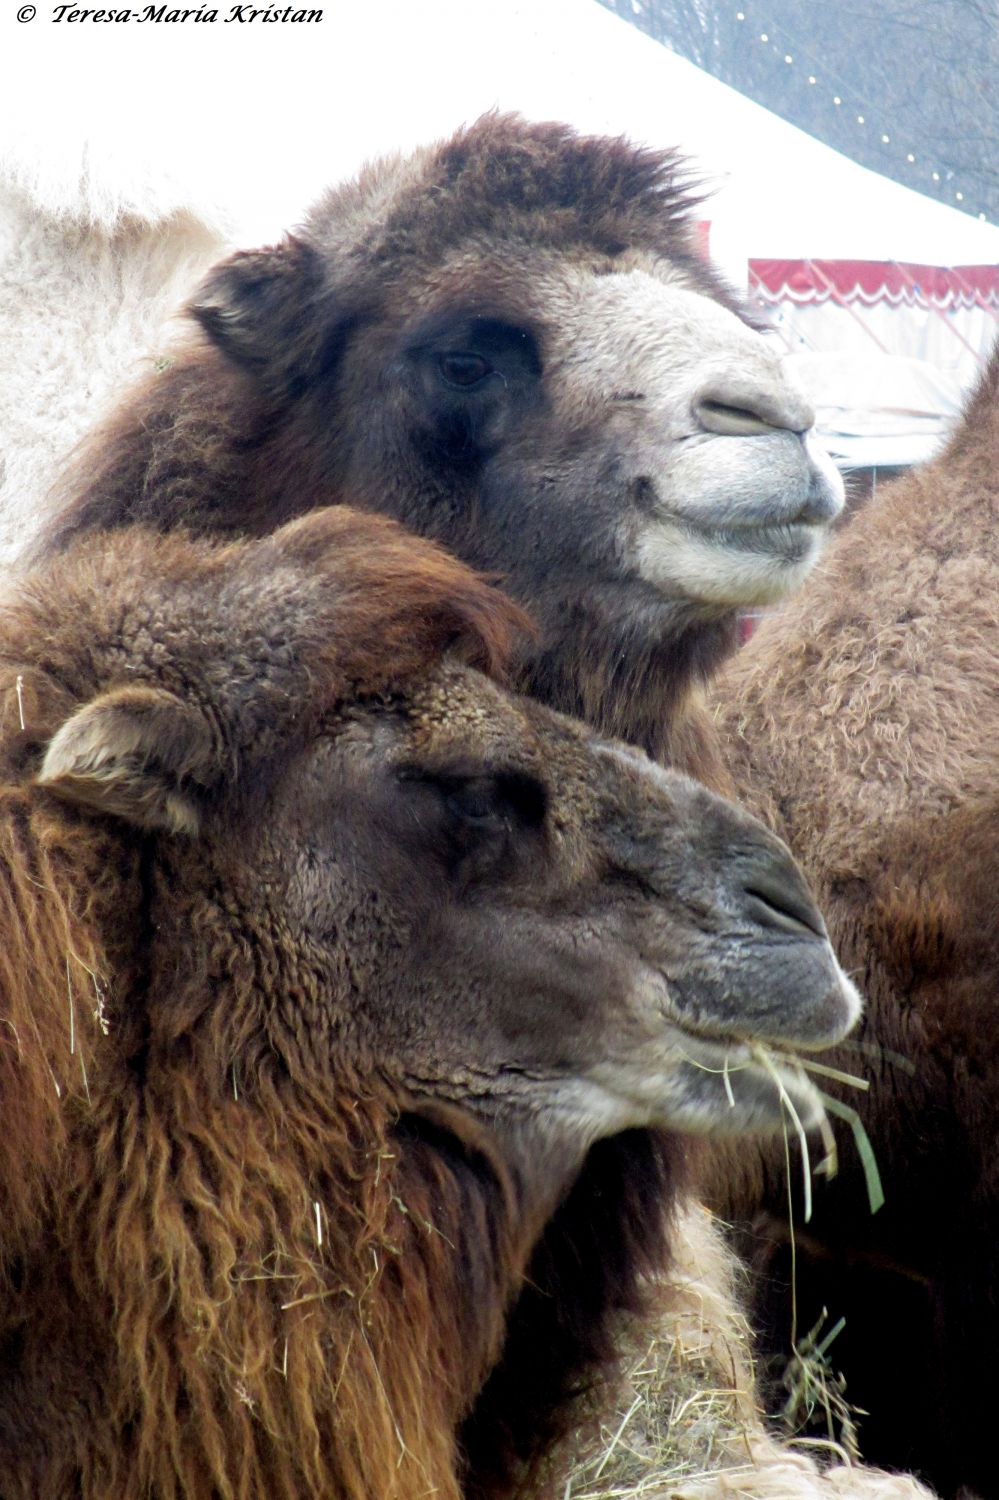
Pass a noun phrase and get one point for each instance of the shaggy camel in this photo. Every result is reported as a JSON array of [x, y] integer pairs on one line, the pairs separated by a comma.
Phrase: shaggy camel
[[507, 342], [862, 723], [326, 963]]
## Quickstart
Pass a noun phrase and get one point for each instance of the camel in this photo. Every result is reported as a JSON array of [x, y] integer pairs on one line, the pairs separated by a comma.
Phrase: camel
[[861, 723], [555, 369], [508, 343], [327, 961], [88, 282]]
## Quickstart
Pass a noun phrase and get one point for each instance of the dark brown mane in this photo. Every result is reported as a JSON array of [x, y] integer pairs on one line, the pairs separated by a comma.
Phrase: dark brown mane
[[67, 887], [402, 609], [508, 178]]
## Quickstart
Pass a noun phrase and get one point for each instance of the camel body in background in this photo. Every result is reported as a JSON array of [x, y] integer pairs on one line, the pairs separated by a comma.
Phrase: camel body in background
[[862, 722]]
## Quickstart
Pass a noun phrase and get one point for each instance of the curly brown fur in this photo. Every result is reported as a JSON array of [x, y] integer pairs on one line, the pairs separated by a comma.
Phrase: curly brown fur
[[329, 969], [862, 722], [139, 1190]]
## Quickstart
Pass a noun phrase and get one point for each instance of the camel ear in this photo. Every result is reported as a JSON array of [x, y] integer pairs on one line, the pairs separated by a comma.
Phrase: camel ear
[[138, 753], [259, 308]]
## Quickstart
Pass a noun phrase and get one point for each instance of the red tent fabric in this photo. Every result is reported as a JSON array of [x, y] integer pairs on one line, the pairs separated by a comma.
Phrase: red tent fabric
[[870, 281]]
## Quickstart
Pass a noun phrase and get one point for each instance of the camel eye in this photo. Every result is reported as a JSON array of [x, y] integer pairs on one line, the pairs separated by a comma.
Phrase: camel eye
[[463, 370], [508, 800], [476, 801]]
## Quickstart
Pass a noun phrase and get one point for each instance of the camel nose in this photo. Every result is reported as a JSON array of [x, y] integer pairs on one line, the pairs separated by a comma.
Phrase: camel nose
[[733, 405], [775, 896]]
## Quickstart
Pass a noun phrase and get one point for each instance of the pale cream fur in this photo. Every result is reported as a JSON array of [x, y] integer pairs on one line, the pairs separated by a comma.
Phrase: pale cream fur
[[85, 309]]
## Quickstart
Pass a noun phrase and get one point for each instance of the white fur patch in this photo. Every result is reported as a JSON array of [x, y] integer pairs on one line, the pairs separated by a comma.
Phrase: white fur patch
[[685, 1084], [84, 313], [680, 1080], [735, 519], [718, 571]]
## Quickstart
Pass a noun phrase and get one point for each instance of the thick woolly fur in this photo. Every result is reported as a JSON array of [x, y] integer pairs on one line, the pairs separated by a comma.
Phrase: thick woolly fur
[[328, 969], [85, 309], [863, 722], [173, 1296]]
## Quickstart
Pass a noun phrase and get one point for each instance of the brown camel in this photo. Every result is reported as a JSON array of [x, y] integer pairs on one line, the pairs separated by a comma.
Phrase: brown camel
[[509, 343], [863, 723], [326, 963]]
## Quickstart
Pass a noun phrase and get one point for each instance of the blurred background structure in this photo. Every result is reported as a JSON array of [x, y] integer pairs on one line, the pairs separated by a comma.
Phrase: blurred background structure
[[905, 88], [886, 297], [909, 91]]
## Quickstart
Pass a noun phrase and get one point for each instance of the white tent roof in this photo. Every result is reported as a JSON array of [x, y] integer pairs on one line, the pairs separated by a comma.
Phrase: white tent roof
[[261, 116], [246, 122]]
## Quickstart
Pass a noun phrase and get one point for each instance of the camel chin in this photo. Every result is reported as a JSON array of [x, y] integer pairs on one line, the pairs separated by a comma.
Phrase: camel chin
[[763, 511], [747, 567]]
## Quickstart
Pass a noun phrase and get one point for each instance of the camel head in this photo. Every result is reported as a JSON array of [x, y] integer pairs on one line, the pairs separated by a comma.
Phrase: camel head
[[362, 850], [508, 342]]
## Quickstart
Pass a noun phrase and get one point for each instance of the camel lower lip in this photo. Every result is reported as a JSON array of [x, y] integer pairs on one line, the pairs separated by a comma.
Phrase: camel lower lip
[[792, 540], [788, 541], [734, 1059], [732, 1054]]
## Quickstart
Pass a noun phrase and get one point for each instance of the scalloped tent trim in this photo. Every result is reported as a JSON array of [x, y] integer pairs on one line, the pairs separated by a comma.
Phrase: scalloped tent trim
[[870, 281]]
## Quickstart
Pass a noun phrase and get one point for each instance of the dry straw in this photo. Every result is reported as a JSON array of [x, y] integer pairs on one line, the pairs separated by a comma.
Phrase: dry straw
[[686, 1416]]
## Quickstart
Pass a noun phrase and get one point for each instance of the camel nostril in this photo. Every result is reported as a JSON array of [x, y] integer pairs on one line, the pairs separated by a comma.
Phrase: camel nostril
[[731, 421], [777, 897], [745, 403], [770, 913]]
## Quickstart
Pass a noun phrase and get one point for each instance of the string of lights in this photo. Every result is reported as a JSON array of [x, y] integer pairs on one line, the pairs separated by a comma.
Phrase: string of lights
[[792, 51], [839, 98]]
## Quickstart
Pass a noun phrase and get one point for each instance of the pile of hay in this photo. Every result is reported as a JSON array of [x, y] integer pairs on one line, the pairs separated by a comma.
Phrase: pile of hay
[[687, 1423]]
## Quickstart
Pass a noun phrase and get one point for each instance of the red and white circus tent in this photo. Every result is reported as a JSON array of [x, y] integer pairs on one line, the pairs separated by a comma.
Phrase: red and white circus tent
[[937, 313], [849, 264], [886, 348]]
